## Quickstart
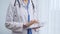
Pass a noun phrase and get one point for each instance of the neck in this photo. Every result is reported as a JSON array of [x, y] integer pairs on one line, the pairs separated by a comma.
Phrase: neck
[[25, 1]]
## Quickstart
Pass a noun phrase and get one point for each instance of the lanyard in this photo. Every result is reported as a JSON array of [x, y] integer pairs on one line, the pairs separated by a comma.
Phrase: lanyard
[[29, 31]]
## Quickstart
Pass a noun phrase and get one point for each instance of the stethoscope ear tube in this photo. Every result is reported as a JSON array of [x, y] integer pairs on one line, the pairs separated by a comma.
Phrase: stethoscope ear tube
[[33, 4], [16, 1]]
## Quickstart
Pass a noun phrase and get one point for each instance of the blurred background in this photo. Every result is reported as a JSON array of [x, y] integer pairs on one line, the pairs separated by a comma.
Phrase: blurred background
[[49, 14]]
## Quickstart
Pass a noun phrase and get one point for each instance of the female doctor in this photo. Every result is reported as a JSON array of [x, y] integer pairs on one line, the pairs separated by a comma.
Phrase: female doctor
[[22, 17]]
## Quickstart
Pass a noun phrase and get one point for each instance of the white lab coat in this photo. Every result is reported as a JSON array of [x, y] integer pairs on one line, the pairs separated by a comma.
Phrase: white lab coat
[[22, 17]]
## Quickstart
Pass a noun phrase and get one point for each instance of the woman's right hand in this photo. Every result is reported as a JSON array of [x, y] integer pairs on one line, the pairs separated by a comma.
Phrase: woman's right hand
[[30, 23], [34, 21]]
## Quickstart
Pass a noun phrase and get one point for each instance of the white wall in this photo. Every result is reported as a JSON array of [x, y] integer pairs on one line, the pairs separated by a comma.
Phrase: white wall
[[3, 9], [49, 14]]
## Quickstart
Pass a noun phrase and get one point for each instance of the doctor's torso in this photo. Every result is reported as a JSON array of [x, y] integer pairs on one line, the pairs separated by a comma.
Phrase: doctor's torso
[[23, 13]]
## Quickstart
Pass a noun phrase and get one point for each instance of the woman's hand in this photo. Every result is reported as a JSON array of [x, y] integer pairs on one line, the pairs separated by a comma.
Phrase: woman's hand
[[34, 21], [30, 23]]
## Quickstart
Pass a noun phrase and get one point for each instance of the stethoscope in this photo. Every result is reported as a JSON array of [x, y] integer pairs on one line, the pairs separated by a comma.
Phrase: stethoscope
[[27, 4]]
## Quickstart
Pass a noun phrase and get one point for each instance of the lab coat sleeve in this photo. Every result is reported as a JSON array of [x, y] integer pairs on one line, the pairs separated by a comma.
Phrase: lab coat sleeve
[[14, 26], [36, 15]]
